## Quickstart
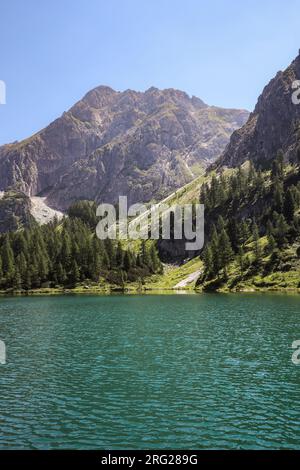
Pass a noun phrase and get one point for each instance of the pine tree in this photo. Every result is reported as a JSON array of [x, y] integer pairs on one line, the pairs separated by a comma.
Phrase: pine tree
[[278, 197], [252, 174], [105, 259], [208, 262], [139, 260], [119, 256], [96, 267], [7, 260], [225, 251], [269, 228], [43, 267], [74, 276], [214, 245], [234, 232], [127, 261], [17, 280], [111, 252], [244, 232], [282, 229], [145, 255], [256, 243], [289, 206], [214, 193], [271, 244], [34, 272], [220, 223], [155, 261], [241, 261], [277, 167], [27, 281], [61, 274], [65, 254], [19, 244], [22, 264]]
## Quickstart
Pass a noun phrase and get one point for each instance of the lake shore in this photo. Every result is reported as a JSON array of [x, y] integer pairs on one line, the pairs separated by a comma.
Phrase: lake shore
[[127, 290]]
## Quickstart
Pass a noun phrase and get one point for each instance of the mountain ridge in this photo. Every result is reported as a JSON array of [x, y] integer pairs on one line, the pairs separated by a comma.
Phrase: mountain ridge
[[141, 144], [273, 126]]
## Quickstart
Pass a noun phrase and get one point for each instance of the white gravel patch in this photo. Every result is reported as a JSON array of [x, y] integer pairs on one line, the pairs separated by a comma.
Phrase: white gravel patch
[[188, 280], [41, 212]]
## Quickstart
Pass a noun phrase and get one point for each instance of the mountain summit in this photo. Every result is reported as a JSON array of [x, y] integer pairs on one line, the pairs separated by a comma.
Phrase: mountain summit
[[142, 145], [274, 124]]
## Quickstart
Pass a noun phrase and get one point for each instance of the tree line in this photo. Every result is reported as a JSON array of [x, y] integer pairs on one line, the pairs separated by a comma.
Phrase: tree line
[[242, 207], [68, 252]]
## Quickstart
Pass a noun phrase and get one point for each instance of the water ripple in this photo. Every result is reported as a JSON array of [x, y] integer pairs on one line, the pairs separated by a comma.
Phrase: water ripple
[[209, 371]]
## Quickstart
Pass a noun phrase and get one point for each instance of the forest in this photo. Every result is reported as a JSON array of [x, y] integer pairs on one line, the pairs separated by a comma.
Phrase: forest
[[252, 219], [68, 252]]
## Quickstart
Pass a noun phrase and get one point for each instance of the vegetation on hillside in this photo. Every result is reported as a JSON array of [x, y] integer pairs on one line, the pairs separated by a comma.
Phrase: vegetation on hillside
[[252, 222], [253, 228], [67, 253]]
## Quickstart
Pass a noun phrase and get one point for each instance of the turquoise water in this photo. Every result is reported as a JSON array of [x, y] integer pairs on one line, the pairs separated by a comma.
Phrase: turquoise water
[[169, 371]]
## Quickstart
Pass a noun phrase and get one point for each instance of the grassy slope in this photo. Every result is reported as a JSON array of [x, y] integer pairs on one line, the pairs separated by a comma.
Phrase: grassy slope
[[281, 280], [288, 280], [174, 274]]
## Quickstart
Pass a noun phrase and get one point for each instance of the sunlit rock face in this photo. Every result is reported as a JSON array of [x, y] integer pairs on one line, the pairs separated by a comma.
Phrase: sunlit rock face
[[274, 124], [111, 143]]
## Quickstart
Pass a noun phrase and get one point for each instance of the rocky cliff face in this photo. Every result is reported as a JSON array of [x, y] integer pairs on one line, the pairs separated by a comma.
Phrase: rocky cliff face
[[15, 211], [142, 145], [274, 125]]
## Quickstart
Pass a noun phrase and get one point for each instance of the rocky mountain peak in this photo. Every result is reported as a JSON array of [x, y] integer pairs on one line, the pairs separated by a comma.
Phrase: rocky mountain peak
[[111, 143], [273, 125]]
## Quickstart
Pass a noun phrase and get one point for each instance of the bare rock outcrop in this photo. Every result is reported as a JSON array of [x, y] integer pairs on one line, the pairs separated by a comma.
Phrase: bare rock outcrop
[[111, 143]]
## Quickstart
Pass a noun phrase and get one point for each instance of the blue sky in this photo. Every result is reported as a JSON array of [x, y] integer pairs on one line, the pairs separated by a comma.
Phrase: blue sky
[[54, 51]]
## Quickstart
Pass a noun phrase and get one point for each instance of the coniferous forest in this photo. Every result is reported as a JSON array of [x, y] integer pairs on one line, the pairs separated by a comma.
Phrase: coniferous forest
[[253, 223], [68, 252]]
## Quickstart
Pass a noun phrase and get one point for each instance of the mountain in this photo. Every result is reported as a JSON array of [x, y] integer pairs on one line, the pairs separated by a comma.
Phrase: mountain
[[274, 125], [252, 214], [252, 232], [111, 143]]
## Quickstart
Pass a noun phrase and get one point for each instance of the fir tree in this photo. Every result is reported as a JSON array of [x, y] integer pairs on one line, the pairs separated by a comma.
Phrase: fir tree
[[256, 243], [208, 262], [74, 276], [225, 251], [7, 259], [289, 206]]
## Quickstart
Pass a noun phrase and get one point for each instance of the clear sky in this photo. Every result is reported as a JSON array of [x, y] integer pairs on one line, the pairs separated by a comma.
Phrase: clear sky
[[53, 51]]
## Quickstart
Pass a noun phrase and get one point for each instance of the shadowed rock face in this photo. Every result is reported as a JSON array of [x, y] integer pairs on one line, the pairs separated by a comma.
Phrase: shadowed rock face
[[274, 125], [15, 211], [142, 145]]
